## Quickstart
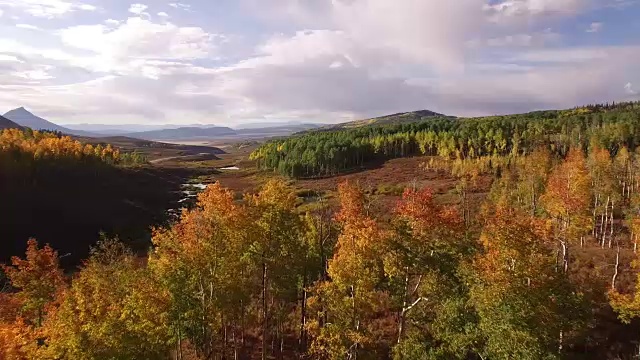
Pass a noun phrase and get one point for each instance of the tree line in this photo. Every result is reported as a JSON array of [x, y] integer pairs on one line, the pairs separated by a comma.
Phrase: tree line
[[48, 180], [26, 149], [329, 153], [254, 278]]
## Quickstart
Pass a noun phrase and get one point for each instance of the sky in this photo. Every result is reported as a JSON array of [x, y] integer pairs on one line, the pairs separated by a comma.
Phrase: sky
[[229, 62]]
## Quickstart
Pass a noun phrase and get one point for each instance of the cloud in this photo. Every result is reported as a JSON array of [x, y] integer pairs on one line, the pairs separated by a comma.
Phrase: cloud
[[9, 58], [139, 38], [177, 5], [574, 55], [46, 8], [628, 88], [317, 60], [138, 9], [595, 27], [414, 30], [536, 7], [521, 40], [27, 26]]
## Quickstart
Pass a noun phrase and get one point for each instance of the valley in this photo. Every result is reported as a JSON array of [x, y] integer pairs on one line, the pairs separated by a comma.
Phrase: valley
[[526, 221], [320, 180]]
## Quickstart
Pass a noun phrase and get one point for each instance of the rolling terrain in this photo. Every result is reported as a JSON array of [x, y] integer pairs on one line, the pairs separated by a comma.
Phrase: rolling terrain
[[154, 150], [393, 119], [418, 215]]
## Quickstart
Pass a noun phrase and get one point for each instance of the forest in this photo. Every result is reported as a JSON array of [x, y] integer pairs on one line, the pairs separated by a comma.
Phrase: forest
[[50, 182], [315, 154], [545, 268]]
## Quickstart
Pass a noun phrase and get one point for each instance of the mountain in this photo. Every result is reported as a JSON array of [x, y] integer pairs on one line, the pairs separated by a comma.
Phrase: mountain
[[119, 129], [399, 118], [7, 124], [25, 118], [220, 132], [242, 130], [185, 133]]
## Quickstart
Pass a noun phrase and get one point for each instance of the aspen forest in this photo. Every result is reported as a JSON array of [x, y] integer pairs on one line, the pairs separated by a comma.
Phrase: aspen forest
[[544, 266], [325, 153], [49, 181]]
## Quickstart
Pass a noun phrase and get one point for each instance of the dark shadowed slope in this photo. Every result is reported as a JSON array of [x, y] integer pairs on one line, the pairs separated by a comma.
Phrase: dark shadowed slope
[[23, 117], [7, 124]]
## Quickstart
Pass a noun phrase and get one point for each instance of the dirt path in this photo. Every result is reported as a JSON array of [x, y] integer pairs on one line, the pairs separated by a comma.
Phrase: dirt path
[[157, 161]]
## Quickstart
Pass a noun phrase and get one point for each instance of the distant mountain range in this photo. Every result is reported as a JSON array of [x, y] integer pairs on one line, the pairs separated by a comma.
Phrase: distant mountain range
[[220, 132], [185, 133], [176, 133], [119, 129], [7, 124], [25, 118]]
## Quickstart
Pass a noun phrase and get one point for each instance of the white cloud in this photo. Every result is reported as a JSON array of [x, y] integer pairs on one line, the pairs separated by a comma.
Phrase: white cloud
[[536, 7], [138, 9], [595, 27], [27, 26], [140, 38], [361, 58], [9, 58], [46, 8], [522, 40], [566, 55], [628, 88], [35, 75], [431, 32], [177, 5], [1, 12]]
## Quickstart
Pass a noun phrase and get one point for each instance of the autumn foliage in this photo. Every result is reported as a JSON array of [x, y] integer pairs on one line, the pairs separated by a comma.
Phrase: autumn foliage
[[252, 276]]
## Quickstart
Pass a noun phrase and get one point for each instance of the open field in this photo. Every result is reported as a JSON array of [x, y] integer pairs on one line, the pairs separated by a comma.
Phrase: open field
[[384, 182]]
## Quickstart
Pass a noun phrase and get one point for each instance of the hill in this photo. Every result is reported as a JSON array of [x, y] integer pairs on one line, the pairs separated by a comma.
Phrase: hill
[[153, 150], [398, 118], [7, 124], [25, 118], [333, 151], [275, 130]]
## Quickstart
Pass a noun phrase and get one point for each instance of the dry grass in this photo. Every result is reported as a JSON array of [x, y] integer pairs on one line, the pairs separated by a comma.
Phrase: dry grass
[[384, 183]]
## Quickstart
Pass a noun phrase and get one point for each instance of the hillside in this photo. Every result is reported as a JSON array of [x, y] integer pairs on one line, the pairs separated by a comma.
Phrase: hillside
[[275, 130], [326, 153], [7, 124], [25, 118], [398, 118], [153, 150]]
